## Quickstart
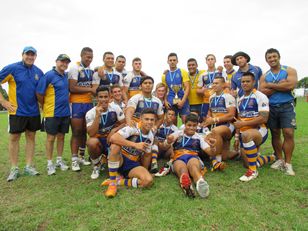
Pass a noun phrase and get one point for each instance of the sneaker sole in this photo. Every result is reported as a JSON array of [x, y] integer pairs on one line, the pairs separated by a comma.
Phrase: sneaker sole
[[205, 188]]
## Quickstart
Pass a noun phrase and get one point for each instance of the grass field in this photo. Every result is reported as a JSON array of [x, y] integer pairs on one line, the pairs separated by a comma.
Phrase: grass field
[[72, 201]]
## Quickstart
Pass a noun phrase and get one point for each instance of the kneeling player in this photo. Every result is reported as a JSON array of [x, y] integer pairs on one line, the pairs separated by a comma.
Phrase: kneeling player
[[253, 111], [130, 154], [186, 145], [102, 122]]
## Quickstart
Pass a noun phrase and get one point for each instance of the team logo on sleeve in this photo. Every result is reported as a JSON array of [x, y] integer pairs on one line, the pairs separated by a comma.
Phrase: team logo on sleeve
[[263, 104], [36, 77]]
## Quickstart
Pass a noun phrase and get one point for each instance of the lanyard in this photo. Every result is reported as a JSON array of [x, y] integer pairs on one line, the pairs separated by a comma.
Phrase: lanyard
[[183, 141], [86, 71], [246, 103], [140, 135], [146, 100], [192, 82], [166, 132], [217, 101], [104, 118], [110, 77], [275, 77], [211, 77], [172, 76]]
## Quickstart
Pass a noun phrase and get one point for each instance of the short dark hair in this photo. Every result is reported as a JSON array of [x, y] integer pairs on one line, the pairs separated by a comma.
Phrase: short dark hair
[[85, 49], [192, 60], [120, 57], [173, 54], [248, 73], [107, 53], [148, 111], [209, 56], [145, 78], [220, 78], [102, 88], [228, 57], [192, 118], [136, 59], [170, 109], [114, 86], [270, 51]]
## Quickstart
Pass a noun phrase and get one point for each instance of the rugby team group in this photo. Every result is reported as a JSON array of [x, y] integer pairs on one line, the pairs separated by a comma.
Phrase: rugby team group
[[126, 126]]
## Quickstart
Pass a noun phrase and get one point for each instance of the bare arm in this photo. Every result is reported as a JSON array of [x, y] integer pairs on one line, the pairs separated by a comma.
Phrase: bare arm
[[186, 91], [288, 84], [129, 112], [6, 104], [264, 87], [40, 99], [261, 119]]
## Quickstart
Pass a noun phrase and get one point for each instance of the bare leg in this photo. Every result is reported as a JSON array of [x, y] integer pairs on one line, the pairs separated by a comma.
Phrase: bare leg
[[30, 144], [14, 148]]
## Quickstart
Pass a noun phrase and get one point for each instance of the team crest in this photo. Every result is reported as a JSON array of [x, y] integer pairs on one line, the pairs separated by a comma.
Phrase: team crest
[[36, 77], [141, 104], [82, 75], [293, 122]]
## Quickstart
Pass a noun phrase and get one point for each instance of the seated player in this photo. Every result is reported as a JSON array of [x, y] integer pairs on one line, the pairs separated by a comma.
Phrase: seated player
[[130, 154], [221, 112], [162, 132], [186, 146], [102, 121], [253, 111]]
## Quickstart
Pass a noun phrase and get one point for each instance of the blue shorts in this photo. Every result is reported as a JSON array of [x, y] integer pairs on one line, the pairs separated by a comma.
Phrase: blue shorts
[[196, 108], [79, 110], [104, 146], [187, 157], [127, 165], [204, 110], [185, 110], [282, 116]]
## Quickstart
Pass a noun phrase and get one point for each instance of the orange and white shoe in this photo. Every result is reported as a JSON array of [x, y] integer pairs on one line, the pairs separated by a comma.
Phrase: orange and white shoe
[[111, 192], [219, 166]]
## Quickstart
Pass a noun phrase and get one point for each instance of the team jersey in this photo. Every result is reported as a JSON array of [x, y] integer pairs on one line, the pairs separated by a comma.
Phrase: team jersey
[[139, 103], [132, 82], [249, 107], [163, 131], [279, 97], [122, 73], [187, 145], [236, 79], [85, 78], [175, 78], [121, 105], [110, 78], [206, 81], [54, 87], [219, 104], [230, 75], [193, 97], [135, 135], [107, 121], [22, 81]]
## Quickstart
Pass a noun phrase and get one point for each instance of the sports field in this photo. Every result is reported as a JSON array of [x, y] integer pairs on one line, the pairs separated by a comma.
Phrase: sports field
[[72, 201]]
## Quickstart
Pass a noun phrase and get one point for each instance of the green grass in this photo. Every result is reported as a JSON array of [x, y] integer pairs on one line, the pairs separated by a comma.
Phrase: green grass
[[72, 201]]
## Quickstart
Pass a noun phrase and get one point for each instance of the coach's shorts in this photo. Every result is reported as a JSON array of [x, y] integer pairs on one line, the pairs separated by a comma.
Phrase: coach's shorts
[[79, 110], [196, 108], [204, 110], [127, 165], [264, 133], [55, 125], [186, 158], [19, 124], [282, 116]]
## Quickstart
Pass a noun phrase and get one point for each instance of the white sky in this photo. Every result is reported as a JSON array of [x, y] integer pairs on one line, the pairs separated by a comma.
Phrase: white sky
[[153, 29]]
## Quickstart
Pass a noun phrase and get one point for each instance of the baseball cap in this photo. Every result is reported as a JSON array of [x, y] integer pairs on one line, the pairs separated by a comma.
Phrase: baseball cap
[[63, 57], [29, 48]]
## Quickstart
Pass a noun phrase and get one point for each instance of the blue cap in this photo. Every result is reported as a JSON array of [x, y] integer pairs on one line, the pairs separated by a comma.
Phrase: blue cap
[[29, 48]]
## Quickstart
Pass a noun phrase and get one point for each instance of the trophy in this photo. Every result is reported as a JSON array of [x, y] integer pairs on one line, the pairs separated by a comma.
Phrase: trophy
[[176, 89]]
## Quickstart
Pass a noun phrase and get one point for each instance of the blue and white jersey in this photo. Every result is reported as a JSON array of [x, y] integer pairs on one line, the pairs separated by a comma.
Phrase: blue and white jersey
[[164, 130]]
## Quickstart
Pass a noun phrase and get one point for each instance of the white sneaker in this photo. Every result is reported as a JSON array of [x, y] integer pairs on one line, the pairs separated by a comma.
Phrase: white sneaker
[[289, 170], [203, 188], [249, 175], [51, 170], [84, 162], [75, 166], [95, 172], [61, 164], [278, 164]]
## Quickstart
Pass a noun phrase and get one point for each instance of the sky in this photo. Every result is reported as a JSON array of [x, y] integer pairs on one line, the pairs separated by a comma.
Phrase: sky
[[152, 29]]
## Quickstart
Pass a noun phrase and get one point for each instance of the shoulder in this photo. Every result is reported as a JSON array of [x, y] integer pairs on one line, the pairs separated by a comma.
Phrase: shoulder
[[91, 112]]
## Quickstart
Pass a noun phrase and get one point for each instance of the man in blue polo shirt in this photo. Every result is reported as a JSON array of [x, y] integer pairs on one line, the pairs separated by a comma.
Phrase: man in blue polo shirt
[[53, 94], [241, 59], [24, 115], [278, 84]]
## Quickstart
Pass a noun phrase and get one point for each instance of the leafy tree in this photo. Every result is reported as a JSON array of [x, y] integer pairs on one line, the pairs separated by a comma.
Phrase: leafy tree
[[3, 92], [303, 83]]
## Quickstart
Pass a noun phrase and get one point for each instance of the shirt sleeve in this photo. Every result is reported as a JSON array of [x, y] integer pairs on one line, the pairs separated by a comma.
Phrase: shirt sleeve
[[230, 101], [163, 80], [127, 131], [160, 110], [42, 84], [127, 79], [6, 73], [90, 116], [120, 113], [73, 73], [96, 79], [200, 81], [203, 144], [233, 82], [185, 76], [133, 102], [263, 103]]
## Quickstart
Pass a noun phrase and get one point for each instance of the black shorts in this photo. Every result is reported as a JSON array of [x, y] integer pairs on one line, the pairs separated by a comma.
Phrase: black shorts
[[282, 116], [19, 124], [55, 125]]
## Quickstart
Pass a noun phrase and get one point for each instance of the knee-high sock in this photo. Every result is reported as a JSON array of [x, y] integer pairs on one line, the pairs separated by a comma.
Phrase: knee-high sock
[[113, 171], [251, 152], [262, 160], [154, 153], [132, 182], [216, 159], [81, 151]]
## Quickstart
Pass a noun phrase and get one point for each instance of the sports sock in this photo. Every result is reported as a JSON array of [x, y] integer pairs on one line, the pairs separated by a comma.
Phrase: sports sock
[[59, 158], [113, 171], [128, 182], [216, 160], [251, 152], [49, 162], [81, 151], [262, 160]]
